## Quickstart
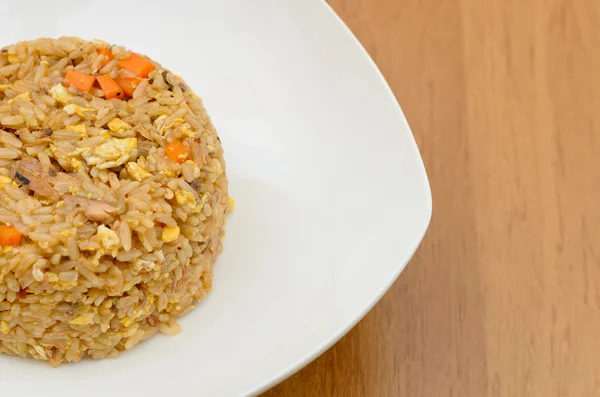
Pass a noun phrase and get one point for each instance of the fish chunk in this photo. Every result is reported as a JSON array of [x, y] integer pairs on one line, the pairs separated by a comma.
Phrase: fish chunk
[[29, 172], [94, 210]]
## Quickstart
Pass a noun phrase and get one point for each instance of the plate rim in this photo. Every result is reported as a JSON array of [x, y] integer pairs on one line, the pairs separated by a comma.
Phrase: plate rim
[[298, 365]]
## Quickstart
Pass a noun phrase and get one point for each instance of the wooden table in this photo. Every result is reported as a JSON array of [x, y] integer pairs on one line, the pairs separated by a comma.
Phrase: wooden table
[[503, 296]]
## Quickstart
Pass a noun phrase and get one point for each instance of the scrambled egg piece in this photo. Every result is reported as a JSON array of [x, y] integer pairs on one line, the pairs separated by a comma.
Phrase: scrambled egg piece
[[70, 158], [23, 95], [159, 124], [52, 277], [169, 172], [76, 164], [5, 87], [78, 128], [118, 125], [5, 180], [194, 167], [137, 172], [71, 109], [108, 239], [7, 249], [126, 321], [184, 197], [83, 319], [185, 130], [4, 327], [112, 153], [230, 204], [65, 233], [58, 284], [60, 154], [12, 58], [60, 93], [170, 233]]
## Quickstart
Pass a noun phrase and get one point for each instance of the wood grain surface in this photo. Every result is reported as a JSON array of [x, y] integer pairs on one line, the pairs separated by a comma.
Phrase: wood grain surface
[[503, 296]]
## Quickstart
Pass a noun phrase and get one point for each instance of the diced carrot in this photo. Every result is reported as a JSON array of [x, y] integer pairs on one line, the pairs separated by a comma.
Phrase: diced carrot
[[137, 64], [83, 82], [108, 55], [177, 151], [128, 84], [9, 236], [110, 87]]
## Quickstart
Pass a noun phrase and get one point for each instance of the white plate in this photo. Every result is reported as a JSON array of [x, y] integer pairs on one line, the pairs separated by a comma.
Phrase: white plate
[[332, 197]]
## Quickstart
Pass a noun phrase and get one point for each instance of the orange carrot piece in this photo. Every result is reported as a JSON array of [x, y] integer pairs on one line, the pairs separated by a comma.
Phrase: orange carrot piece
[[110, 87], [128, 84], [177, 151], [83, 82], [108, 55], [137, 64], [9, 236]]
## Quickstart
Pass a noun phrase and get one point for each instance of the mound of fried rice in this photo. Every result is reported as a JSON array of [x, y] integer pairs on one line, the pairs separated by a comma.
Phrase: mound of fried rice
[[118, 239]]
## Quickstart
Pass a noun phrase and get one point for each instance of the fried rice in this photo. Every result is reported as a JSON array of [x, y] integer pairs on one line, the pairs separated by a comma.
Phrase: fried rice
[[117, 237]]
